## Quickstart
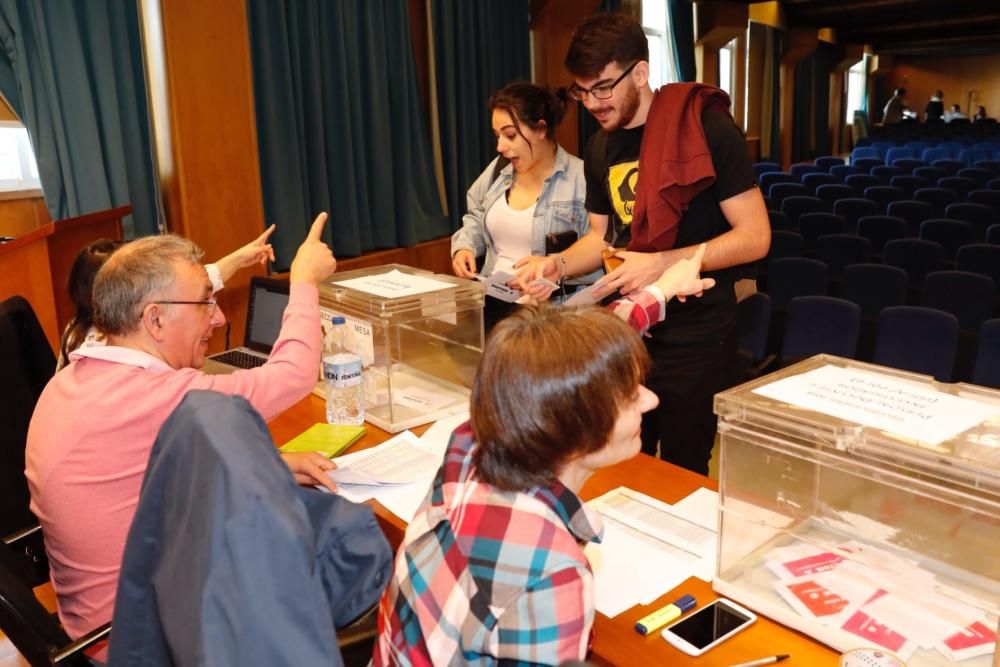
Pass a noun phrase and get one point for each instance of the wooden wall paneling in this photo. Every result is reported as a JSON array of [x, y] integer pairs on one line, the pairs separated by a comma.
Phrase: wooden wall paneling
[[955, 77], [20, 215], [716, 25], [24, 265], [552, 23], [65, 242], [215, 193], [755, 83]]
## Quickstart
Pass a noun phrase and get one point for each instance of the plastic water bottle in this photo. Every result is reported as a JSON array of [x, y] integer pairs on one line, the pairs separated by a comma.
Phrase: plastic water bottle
[[345, 394]]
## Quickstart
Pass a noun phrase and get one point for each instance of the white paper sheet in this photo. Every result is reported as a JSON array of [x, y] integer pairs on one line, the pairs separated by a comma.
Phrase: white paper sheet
[[629, 570], [438, 435], [399, 460], [395, 283], [647, 550], [701, 507], [402, 499], [881, 402], [583, 297]]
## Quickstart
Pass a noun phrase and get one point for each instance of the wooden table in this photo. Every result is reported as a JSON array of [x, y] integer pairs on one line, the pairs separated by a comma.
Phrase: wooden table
[[616, 642]]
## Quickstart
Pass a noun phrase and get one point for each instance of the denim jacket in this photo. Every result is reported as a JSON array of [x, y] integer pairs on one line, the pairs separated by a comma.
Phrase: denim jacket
[[560, 208]]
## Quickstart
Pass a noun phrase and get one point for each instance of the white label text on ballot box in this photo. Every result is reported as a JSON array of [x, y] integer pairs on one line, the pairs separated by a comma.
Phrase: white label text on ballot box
[[893, 405]]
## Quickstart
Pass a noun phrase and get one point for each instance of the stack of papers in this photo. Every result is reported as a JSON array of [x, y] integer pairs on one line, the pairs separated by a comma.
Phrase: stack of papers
[[882, 598], [650, 547], [398, 473]]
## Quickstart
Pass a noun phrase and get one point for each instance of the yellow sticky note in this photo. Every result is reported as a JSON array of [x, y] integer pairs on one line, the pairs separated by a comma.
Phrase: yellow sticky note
[[327, 439]]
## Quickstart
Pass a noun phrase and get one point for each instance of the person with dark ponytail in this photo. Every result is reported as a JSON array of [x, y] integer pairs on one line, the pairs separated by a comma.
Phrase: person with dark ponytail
[[80, 329], [81, 332], [533, 190]]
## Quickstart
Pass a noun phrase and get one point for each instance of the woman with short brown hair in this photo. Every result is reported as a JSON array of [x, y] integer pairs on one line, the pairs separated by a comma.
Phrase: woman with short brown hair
[[492, 567]]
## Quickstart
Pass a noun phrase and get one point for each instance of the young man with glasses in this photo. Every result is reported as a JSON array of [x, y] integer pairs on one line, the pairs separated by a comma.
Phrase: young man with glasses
[[97, 419], [668, 171]]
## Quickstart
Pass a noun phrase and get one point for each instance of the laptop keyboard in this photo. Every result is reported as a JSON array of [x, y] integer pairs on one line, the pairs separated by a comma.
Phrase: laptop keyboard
[[240, 359]]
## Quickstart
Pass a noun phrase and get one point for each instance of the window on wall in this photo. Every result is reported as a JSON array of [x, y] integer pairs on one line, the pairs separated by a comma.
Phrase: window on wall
[[727, 67], [18, 170], [656, 25], [855, 89]]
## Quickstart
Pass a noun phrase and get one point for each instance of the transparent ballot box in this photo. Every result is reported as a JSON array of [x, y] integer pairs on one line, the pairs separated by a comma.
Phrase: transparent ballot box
[[419, 334], [861, 506]]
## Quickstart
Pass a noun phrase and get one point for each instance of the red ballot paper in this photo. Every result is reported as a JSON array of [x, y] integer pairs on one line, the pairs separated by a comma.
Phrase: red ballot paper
[[820, 601], [812, 564], [863, 625], [971, 642]]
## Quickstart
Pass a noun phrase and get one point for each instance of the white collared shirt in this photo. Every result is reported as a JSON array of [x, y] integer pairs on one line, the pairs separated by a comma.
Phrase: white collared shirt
[[121, 355]]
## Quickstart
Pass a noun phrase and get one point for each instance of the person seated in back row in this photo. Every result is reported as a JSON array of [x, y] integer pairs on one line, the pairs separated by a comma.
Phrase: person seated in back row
[[95, 423], [491, 568]]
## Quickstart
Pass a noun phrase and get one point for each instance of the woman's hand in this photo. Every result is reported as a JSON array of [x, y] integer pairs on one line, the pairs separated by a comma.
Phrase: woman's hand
[[310, 468], [528, 271], [257, 251], [463, 263], [683, 278]]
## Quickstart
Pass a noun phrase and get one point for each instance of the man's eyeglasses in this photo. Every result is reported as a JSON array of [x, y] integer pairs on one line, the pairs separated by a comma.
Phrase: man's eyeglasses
[[211, 303], [602, 92]]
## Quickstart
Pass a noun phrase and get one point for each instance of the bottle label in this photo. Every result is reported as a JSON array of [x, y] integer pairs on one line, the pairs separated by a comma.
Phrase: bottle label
[[343, 373]]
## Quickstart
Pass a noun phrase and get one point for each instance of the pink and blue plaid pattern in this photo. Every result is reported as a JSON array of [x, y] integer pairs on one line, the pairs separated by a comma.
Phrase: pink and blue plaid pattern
[[486, 576]]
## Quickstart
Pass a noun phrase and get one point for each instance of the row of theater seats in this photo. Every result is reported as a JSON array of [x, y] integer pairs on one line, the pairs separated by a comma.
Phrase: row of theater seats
[[970, 297], [913, 338], [890, 152]]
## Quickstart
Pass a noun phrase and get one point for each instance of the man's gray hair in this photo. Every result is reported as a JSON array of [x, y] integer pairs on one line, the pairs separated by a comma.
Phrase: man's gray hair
[[133, 275]]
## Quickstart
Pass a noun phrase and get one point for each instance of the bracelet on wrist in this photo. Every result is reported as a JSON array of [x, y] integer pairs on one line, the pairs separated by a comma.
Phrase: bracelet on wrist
[[562, 267]]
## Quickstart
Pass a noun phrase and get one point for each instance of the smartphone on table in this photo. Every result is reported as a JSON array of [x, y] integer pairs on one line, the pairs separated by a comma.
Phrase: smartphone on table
[[710, 625]]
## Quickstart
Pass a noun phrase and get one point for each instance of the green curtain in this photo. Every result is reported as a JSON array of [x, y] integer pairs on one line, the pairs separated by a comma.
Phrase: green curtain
[[587, 125], [681, 14], [811, 106], [340, 125], [73, 73], [479, 47]]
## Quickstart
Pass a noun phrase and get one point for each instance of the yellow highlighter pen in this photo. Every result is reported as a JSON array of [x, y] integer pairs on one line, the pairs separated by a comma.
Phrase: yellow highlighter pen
[[662, 616]]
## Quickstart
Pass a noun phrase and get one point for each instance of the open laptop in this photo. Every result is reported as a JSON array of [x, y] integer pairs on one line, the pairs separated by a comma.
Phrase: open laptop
[[265, 308]]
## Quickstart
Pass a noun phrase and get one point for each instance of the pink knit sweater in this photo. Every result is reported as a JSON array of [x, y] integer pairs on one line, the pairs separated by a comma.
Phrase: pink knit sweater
[[91, 435]]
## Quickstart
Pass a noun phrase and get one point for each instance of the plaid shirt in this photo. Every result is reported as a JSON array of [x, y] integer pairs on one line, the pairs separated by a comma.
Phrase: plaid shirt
[[485, 575], [641, 309]]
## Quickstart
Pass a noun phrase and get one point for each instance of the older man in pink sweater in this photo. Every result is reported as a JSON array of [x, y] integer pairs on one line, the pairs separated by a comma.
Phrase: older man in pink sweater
[[96, 421]]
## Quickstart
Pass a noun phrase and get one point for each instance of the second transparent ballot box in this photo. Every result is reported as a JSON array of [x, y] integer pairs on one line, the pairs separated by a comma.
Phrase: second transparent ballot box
[[420, 337], [861, 505]]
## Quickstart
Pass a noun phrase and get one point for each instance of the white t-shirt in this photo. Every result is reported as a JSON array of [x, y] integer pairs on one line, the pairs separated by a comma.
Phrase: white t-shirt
[[511, 231]]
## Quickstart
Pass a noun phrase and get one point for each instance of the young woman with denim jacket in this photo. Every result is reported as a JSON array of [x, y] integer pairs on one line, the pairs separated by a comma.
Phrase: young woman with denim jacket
[[540, 191]]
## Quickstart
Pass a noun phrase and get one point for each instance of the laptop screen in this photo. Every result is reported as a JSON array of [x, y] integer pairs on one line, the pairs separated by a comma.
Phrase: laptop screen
[[268, 299]]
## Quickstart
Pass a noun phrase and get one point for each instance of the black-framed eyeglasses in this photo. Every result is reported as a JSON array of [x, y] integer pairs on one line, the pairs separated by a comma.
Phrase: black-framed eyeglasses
[[601, 92], [211, 303]]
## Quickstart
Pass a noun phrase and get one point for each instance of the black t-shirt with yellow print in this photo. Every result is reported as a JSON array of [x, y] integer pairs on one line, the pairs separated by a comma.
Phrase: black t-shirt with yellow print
[[611, 166]]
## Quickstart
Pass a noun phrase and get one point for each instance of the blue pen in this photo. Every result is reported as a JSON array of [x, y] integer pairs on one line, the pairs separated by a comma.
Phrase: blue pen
[[661, 617]]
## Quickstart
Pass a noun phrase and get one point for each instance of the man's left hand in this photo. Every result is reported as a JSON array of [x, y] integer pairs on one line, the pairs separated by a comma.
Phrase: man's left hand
[[638, 270], [310, 468]]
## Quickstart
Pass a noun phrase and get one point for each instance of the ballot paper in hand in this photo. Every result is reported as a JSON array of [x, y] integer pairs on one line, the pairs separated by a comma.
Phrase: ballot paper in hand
[[496, 286], [585, 296]]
